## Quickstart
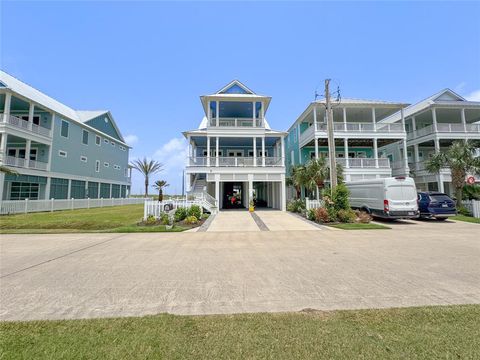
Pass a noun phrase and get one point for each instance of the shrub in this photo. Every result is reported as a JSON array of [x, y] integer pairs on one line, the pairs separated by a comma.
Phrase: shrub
[[363, 217], [311, 214], [164, 219], [462, 210], [191, 219], [151, 220], [195, 210], [180, 214], [471, 192], [340, 197], [296, 206], [321, 215], [346, 216]]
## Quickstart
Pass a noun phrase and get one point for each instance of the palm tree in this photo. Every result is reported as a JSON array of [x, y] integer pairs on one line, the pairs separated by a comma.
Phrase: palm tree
[[317, 172], [460, 159], [297, 179], [159, 185], [146, 168], [7, 171]]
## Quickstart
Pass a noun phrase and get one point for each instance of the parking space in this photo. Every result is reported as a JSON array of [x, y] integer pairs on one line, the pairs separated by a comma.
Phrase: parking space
[[284, 221], [233, 221]]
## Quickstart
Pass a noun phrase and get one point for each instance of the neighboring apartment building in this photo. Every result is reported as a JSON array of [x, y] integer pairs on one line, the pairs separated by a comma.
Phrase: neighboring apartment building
[[376, 139], [234, 155], [58, 152], [359, 137], [432, 125]]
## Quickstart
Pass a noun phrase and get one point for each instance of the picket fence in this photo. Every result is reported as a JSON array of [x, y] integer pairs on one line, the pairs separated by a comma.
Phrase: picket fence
[[313, 204], [29, 206], [157, 208], [473, 206]]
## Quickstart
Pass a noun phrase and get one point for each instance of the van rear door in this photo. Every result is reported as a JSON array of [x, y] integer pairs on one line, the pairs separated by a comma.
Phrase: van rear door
[[402, 197]]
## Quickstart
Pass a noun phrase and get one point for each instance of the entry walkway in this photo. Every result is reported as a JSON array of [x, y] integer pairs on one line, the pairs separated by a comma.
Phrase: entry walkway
[[273, 220]]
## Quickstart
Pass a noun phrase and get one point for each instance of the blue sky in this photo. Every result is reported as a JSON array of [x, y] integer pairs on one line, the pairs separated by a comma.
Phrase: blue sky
[[148, 62]]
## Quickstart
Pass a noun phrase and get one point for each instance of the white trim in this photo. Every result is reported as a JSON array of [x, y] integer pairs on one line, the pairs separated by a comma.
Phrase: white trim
[[83, 158], [60, 153]]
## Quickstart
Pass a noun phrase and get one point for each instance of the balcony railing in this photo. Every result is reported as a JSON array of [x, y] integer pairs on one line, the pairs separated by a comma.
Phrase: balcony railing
[[24, 163], [363, 163], [444, 128], [362, 127], [235, 161], [24, 125], [236, 122]]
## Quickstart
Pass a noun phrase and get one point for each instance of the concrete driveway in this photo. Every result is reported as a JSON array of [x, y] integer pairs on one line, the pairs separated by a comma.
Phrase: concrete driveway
[[104, 275]]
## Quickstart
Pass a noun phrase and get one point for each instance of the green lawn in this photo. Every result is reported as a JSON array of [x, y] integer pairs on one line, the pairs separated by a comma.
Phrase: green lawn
[[107, 219], [359, 226], [449, 332], [469, 219]]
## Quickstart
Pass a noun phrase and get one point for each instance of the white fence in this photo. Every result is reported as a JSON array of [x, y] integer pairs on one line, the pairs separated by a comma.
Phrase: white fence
[[473, 206], [28, 206], [313, 204], [157, 208]]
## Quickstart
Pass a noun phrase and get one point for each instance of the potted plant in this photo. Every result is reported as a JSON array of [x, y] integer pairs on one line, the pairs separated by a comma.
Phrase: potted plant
[[251, 206]]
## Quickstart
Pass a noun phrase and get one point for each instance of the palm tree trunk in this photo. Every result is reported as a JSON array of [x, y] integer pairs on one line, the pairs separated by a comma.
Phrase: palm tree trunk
[[146, 187], [160, 195]]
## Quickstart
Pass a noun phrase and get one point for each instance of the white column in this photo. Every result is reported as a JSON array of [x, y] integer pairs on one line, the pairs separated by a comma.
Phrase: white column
[[254, 151], [6, 108], [316, 147], [436, 142], [190, 148], [283, 194], [344, 118], [99, 187], [254, 115], [262, 113], [208, 150], [2, 184], [217, 123], [263, 150], [217, 150], [69, 191], [405, 154], [374, 119], [209, 113], [250, 189], [434, 117], [464, 122], [315, 117], [416, 156], [110, 190], [345, 145], [217, 192], [3, 144], [47, 188], [31, 111], [282, 150], [414, 126], [375, 151], [28, 146]]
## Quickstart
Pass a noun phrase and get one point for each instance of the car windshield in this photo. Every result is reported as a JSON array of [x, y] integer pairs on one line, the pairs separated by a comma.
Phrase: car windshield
[[440, 197]]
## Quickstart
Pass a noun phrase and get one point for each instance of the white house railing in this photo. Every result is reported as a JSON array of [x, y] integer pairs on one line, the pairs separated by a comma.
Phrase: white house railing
[[235, 161], [473, 206], [444, 128], [363, 163], [24, 163], [29, 206], [313, 204], [25, 125], [235, 122]]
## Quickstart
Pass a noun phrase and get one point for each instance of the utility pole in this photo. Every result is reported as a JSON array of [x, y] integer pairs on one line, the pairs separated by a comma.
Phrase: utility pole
[[331, 140]]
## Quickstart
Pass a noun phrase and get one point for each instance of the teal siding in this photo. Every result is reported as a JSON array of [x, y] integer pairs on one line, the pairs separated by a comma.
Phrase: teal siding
[[106, 127], [77, 189], [323, 151], [58, 188], [106, 152]]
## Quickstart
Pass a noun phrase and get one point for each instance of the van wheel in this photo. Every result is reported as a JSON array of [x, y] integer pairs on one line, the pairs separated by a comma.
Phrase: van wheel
[[367, 210]]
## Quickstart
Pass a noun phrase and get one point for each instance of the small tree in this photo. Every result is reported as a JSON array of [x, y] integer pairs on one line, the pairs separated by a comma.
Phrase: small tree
[[317, 172], [460, 159], [146, 168], [159, 185], [297, 179]]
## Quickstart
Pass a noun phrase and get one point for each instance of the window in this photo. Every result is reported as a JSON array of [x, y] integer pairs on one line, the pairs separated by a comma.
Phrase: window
[[98, 140], [122, 148], [83, 158], [292, 158], [97, 166], [116, 167], [62, 153], [64, 129], [85, 137], [105, 141], [125, 172], [113, 144], [22, 191], [106, 164]]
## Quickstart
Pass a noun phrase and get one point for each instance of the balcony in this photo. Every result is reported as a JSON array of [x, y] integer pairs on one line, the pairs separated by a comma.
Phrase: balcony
[[23, 163], [24, 125], [363, 163], [235, 162], [236, 122], [445, 128]]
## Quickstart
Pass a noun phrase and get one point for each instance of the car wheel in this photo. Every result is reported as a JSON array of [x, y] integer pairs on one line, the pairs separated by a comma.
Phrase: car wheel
[[442, 219]]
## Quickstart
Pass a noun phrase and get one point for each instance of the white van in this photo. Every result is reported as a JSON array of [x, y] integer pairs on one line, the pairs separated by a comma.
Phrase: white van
[[392, 198]]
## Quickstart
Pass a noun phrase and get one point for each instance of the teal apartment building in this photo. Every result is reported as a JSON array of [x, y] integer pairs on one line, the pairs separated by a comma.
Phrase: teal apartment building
[[58, 152]]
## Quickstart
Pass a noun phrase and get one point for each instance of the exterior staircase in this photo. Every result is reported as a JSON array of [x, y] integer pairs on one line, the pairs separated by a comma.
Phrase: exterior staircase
[[199, 193]]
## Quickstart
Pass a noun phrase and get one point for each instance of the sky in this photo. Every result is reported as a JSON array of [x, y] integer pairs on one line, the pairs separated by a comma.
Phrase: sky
[[148, 62]]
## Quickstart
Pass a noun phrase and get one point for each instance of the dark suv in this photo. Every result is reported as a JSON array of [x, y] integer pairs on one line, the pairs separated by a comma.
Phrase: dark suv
[[435, 205]]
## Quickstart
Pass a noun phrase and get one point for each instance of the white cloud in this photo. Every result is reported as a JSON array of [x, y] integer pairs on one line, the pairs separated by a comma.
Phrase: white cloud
[[131, 139], [473, 96]]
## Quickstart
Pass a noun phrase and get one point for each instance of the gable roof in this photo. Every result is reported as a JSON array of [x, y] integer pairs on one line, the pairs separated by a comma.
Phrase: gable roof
[[443, 97], [234, 85], [45, 101]]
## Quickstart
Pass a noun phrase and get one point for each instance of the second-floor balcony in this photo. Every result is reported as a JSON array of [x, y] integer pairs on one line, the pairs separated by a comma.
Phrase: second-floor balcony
[[24, 125], [23, 163], [231, 161], [236, 122], [444, 128], [363, 163]]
